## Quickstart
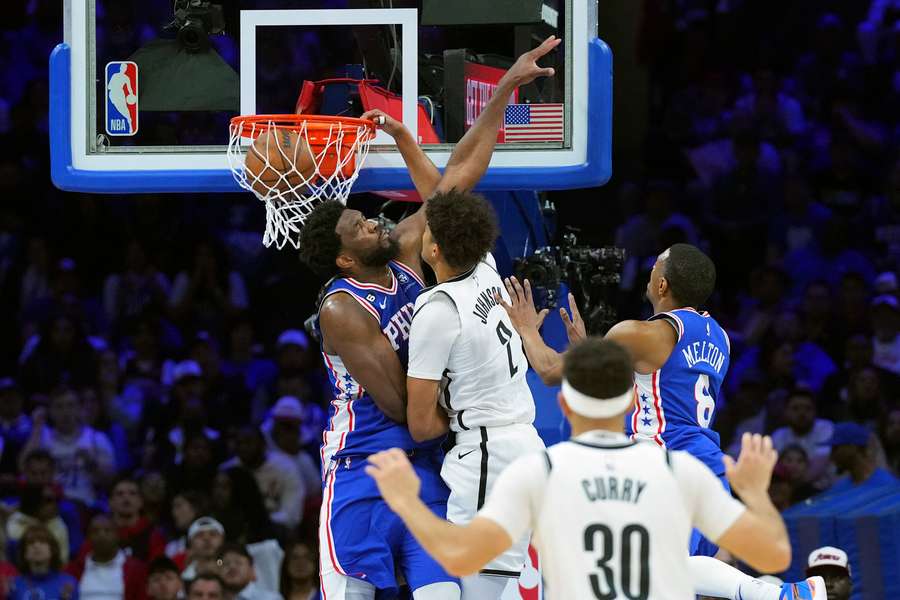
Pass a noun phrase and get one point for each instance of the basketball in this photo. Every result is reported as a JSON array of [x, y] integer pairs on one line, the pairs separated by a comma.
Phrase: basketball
[[131, 99], [279, 160]]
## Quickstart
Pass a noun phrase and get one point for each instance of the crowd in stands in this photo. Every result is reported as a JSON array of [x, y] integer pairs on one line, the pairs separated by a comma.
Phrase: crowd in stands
[[161, 405]]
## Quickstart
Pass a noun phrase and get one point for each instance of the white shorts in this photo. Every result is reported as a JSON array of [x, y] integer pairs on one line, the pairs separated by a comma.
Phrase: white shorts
[[470, 469]]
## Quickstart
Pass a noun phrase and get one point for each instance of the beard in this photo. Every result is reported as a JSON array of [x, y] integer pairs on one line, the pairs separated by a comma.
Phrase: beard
[[381, 255]]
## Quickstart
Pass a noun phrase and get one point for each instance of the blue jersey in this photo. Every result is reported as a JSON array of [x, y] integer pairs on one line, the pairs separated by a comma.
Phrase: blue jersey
[[356, 426], [674, 405]]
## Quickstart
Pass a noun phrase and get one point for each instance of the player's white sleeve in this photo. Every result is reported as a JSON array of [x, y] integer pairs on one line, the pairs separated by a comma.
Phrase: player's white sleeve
[[712, 509], [434, 330], [515, 500]]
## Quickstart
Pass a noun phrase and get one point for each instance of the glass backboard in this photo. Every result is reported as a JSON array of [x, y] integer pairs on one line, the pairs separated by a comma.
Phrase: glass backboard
[[142, 90]]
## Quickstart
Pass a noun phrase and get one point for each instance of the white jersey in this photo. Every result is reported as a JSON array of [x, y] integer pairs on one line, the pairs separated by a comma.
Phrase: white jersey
[[463, 337], [612, 518]]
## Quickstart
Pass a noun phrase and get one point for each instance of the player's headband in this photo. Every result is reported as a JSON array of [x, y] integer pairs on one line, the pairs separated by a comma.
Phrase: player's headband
[[596, 408]]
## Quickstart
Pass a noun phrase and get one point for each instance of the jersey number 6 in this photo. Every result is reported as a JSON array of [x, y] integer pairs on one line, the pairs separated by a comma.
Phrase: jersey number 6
[[705, 403]]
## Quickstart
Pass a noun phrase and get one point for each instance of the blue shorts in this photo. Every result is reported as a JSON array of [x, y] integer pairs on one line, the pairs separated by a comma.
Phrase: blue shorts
[[700, 546], [360, 537]]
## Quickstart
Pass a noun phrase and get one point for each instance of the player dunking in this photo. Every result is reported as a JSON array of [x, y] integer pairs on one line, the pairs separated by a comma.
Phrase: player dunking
[[611, 516], [681, 357], [364, 320]]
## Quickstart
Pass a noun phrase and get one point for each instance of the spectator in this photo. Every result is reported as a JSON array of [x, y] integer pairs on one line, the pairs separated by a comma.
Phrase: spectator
[[239, 575], [207, 586], [187, 507], [97, 416], [803, 429], [155, 493], [277, 476], [205, 539], [284, 435], [84, 457], [142, 360], [851, 454], [117, 407], [198, 467], [108, 571], [886, 326], [776, 115], [300, 572], [38, 507], [781, 491], [246, 358], [793, 466], [831, 564], [39, 468], [802, 220], [60, 355], [890, 439], [15, 429], [40, 564], [138, 287], [227, 401], [136, 532], [238, 503], [36, 280], [209, 291], [293, 360], [186, 412], [164, 580], [746, 411], [766, 300], [8, 572]]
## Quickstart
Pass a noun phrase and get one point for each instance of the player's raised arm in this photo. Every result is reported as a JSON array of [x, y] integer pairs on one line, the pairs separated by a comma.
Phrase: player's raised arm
[[472, 154], [425, 176], [470, 157], [366, 353]]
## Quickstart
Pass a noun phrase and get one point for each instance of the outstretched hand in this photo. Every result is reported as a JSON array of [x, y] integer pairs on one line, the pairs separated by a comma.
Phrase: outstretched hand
[[752, 472], [385, 122], [525, 70], [575, 329], [521, 309]]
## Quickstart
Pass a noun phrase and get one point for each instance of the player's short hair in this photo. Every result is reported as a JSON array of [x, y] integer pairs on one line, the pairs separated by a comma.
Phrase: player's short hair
[[463, 225], [690, 273], [599, 368], [319, 244]]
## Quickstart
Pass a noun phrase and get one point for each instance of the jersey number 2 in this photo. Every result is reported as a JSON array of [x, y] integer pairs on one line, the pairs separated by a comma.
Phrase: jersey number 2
[[505, 334], [631, 535], [705, 403]]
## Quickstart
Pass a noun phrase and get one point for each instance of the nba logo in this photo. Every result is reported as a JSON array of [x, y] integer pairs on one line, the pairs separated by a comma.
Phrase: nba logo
[[121, 98]]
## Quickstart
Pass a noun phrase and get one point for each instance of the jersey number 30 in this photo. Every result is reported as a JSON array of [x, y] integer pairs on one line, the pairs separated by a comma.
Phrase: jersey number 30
[[632, 584], [705, 403]]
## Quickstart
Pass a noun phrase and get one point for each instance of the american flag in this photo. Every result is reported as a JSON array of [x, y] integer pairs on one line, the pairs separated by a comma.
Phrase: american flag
[[534, 123]]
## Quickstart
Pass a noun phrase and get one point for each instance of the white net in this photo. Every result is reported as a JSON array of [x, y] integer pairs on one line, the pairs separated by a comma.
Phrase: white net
[[292, 164]]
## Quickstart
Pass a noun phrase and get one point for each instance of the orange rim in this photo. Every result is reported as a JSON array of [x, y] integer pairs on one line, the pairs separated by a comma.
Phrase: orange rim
[[250, 124]]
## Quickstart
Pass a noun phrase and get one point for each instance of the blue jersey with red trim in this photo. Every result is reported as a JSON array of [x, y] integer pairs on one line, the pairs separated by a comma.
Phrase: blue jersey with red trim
[[674, 406], [356, 425]]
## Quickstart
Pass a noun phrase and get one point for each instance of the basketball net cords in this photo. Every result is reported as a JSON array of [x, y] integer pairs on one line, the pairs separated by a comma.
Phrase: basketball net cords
[[291, 198]]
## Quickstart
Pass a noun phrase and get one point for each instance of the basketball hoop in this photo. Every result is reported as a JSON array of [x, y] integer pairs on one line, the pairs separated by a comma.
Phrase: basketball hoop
[[294, 162]]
